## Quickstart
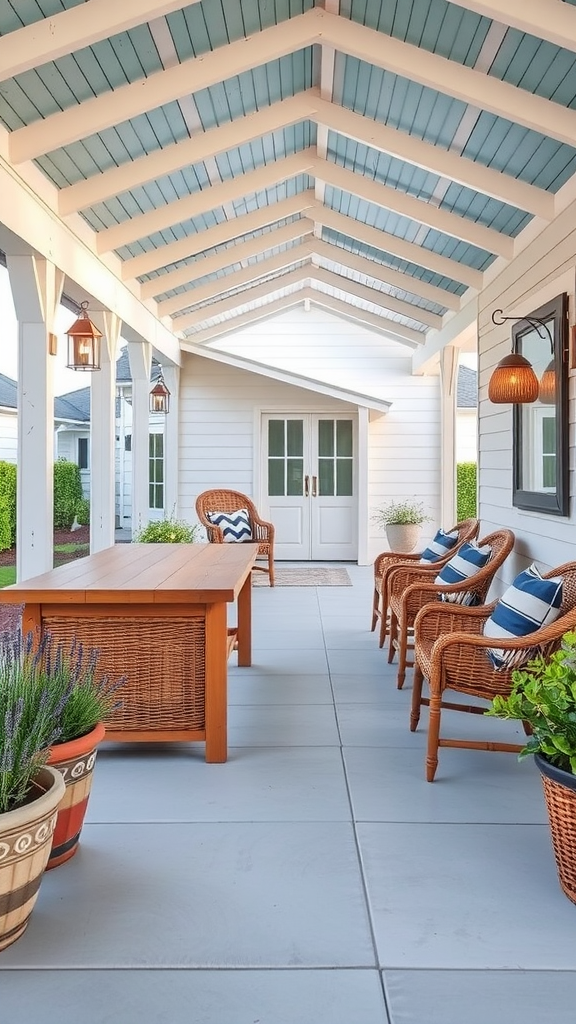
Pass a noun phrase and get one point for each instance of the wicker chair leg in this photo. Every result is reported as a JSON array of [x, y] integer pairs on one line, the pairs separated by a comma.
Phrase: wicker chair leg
[[402, 652], [393, 637], [383, 627], [375, 604], [271, 572], [416, 698], [433, 736]]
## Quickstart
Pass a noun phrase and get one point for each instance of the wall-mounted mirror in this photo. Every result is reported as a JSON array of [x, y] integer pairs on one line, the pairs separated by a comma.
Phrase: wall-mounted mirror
[[541, 427]]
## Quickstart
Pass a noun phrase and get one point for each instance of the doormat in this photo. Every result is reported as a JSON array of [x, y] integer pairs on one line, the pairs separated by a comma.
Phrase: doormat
[[303, 577]]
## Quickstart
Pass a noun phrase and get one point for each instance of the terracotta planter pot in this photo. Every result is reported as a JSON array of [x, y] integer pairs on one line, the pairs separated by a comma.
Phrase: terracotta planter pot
[[403, 538], [560, 796], [25, 841], [76, 762]]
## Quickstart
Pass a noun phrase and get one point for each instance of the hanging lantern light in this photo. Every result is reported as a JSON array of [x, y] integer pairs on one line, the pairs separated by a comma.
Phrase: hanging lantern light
[[547, 388], [83, 342], [160, 396], [513, 381]]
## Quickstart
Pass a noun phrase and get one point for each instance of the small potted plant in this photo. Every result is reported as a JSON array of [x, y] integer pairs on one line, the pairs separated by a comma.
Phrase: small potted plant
[[30, 791], [403, 521], [543, 696]]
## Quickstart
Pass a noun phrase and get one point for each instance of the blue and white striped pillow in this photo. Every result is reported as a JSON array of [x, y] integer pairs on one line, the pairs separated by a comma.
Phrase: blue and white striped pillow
[[440, 546], [467, 561], [529, 603], [234, 525]]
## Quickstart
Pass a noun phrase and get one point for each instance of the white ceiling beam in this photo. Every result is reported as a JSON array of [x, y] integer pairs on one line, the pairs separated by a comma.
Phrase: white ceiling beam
[[385, 275], [433, 158], [388, 328], [204, 200], [228, 257], [375, 296], [449, 77], [249, 295], [416, 209], [387, 243], [265, 312], [63, 33], [201, 146], [161, 87], [237, 279], [183, 249], [554, 22]]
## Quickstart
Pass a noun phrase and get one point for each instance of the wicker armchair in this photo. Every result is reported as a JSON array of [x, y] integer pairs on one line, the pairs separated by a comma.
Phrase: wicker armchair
[[230, 501], [450, 652], [409, 590], [388, 560]]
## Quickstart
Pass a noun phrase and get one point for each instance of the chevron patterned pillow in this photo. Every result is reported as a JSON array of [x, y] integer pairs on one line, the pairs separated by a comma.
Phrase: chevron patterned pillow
[[234, 525]]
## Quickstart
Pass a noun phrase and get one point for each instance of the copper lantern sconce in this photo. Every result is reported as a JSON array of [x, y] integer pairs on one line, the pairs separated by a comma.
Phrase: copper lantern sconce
[[83, 342], [160, 397]]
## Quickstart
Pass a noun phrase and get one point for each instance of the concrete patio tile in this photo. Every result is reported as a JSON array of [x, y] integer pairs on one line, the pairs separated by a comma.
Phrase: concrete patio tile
[[350, 688], [474, 786], [287, 725], [276, 689], [285, 660], [275, 637], [466, 897], [377, 725], [480, 997], [202, 895], [346, 661], [255, 784], [194, 997]]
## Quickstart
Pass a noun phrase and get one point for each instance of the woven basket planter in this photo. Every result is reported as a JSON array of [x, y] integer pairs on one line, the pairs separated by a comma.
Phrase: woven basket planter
[[560, 796], [25, 841], [403, 538], [75, 760]]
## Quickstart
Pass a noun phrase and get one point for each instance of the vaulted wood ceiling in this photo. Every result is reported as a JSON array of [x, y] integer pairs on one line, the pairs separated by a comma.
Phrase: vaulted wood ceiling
[[226, 159]]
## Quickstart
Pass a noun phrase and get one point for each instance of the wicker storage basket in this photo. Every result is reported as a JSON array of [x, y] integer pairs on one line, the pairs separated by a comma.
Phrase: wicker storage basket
[[560, 796]]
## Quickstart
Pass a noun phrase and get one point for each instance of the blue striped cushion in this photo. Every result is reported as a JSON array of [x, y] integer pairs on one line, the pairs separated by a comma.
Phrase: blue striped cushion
[[461, 567], [528, 604], [234, 525], [440, 546]]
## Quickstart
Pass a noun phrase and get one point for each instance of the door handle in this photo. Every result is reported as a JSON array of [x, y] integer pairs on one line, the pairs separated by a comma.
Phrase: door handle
[[314, 483], [306, 486]]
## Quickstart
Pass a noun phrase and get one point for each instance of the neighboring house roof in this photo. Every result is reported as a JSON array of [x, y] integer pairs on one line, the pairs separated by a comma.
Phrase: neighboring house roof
[[123, 374], [75, 405], [8, 392], [467, 394]]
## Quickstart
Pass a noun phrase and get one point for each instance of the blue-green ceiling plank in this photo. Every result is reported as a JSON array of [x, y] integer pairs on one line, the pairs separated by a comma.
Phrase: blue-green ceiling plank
[[435, 25], [537, 66]]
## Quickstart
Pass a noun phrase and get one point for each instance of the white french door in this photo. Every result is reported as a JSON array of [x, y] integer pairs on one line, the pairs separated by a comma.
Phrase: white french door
[[309, 476]]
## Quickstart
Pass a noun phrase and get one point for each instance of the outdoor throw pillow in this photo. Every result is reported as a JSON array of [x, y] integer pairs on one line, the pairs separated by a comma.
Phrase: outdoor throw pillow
[[528, 604], [234, 525], [440, 546], [464, 564]]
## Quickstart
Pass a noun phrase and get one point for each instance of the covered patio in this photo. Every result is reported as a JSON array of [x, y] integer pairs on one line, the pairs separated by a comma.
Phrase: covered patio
[[313, 877]]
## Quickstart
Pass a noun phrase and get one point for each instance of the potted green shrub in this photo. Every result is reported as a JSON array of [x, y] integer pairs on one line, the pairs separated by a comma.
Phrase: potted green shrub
[[543, 695], [168, 530], [30, 791], [403, 522]]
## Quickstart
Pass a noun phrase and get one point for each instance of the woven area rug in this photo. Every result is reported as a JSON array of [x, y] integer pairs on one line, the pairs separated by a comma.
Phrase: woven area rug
[[304, 577]]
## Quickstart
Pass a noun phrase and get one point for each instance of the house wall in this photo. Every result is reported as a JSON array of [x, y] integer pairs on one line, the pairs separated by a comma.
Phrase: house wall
[[8, 435], [543, 270], [218, 403], [466, 435]]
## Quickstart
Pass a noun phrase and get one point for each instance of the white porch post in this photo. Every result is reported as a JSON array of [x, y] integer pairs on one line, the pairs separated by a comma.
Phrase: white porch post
[[448, 394], [103, 434], [171, 441], [140, 356], [36, 286]]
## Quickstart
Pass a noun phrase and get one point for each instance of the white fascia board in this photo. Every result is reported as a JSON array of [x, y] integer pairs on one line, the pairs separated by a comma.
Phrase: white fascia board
[[296, 379], [30, 222], [460, 330], [555, 23]]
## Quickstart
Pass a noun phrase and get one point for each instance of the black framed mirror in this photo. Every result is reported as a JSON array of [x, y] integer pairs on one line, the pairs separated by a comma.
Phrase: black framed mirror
[[540, 428]]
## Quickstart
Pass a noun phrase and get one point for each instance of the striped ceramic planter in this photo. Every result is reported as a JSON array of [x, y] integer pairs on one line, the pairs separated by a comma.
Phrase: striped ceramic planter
[[25, 841], [75, 760]]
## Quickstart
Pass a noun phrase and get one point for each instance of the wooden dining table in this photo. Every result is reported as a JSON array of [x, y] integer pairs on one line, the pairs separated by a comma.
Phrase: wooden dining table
[[158, 615]]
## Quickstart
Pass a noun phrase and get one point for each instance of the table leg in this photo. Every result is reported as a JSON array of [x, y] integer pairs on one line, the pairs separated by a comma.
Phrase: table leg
[[245, 623], [32, 621], [216, 695]]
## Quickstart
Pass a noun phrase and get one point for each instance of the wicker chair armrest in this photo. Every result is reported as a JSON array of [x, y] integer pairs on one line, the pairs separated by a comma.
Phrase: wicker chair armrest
[[389, 559], [262, 530], [402, 576], [214, 533], [439, 618]]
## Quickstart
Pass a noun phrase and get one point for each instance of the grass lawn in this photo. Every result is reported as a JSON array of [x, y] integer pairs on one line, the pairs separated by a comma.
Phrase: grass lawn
[[7, 575], [72, 549]]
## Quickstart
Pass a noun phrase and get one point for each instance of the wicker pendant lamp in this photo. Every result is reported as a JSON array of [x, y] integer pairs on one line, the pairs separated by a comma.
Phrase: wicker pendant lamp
[[547, 388], [513, 381]]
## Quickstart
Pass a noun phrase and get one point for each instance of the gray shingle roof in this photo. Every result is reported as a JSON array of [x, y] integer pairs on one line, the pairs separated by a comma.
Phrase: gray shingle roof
[[467, 394], [8, 392]]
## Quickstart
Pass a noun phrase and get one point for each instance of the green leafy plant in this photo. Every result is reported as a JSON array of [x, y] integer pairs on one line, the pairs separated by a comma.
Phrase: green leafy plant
[[83, 512], [466, 497], [67, 493], [166, 531], [7, 505], [544, 695], [401, 513], [47, 695]]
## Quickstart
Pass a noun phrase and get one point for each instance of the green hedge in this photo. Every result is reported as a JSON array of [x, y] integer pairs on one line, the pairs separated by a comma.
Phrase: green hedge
[[67, 493], [466, 501], [7, 505]]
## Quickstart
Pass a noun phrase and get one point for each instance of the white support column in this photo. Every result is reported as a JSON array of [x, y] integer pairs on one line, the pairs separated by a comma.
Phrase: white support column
[[448, 394], [36, 286], [171, 442], [103, 434], [140, 356]]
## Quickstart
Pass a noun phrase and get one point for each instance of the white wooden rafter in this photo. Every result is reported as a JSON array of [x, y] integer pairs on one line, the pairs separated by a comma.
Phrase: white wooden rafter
[[554, 22]]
